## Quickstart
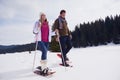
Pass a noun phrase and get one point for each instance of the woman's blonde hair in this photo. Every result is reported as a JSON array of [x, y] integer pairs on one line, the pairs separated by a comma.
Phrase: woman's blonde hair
[[41, 14]]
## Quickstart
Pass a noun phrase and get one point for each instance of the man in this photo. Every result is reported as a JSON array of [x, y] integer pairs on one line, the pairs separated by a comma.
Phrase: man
[[63, 35]]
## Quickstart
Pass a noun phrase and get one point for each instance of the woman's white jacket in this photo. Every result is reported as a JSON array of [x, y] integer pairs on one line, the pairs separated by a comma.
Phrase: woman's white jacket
[[37, 31]]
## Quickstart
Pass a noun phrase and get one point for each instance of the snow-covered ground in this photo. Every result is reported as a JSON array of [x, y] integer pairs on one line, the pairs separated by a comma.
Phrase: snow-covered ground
[[92, 63]]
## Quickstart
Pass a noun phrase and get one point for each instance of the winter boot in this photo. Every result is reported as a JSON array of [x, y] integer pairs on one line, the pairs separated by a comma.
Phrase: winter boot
[[65, 64], [44, 69]]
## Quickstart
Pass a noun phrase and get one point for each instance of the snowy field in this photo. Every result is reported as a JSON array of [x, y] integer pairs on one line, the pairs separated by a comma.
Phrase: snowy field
[[92, 63]]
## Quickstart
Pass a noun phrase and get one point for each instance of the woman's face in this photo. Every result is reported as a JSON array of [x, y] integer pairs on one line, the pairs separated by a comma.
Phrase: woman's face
[[43, 17]]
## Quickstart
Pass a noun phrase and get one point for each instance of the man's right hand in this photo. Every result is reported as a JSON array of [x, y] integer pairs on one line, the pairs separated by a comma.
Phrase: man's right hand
[[57, 33]]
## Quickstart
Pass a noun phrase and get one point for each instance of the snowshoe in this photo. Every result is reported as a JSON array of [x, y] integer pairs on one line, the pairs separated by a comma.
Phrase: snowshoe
[[65, 65], [45, 72], [67, 59]]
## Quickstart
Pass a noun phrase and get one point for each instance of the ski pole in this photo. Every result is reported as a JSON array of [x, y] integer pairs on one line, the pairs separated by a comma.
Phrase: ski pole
[[61, 52], [35, 52]]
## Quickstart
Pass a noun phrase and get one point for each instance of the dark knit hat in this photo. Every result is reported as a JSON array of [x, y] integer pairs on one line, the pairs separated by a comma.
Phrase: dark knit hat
[[62, 11]]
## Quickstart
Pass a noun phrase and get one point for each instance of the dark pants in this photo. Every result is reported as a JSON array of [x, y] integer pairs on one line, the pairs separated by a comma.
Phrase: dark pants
[[66, 45], [43, 46]]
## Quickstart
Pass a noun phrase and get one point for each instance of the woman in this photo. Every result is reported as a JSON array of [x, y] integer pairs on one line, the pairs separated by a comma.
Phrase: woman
[[43, 36]]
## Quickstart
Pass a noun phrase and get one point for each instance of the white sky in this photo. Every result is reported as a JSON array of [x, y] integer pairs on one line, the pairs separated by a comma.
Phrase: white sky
[[26, 12]]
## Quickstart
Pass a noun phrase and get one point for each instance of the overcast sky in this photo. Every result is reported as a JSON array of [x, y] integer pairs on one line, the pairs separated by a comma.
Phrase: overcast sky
[[26, 12]]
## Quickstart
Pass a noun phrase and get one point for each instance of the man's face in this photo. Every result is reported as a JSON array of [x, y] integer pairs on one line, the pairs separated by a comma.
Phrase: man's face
[[63, 15]]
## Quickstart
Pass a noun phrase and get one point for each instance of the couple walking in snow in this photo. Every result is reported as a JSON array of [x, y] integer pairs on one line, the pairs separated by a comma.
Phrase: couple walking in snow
[[42, 32]]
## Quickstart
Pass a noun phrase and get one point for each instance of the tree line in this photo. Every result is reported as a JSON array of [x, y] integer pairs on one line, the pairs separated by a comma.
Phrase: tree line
[[99, 32]]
